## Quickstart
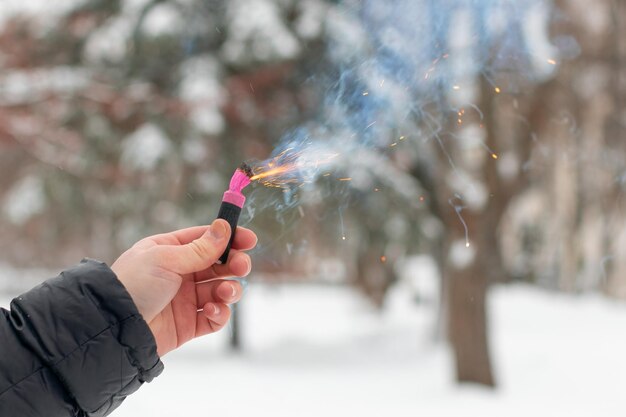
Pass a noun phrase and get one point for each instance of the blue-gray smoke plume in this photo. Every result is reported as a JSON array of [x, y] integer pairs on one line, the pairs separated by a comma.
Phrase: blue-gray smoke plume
[[397, 66]]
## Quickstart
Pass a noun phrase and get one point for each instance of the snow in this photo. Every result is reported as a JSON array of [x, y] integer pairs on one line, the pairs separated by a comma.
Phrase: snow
[[461, 255], [309, 22], [14, 281], [145, 147], [425, 283], [508, 165], [109, 42], [256, 30], [201, 88], [27, 86], [322, 351], [24, 200], [164, 19], [538, 39], [51, 9]]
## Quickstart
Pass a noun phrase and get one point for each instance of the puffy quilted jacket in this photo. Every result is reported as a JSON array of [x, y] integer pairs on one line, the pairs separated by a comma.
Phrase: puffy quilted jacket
[[73, 346]]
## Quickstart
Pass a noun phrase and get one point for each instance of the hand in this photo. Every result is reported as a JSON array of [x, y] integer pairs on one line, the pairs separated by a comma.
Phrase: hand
[[176, 284]]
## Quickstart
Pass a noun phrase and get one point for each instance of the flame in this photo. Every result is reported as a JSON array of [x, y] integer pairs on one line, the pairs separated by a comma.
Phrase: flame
[[284, 168], [273, 172]]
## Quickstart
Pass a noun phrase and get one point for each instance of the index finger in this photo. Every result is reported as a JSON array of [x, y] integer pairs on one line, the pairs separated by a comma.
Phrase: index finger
[[245, 239], [179, 237]]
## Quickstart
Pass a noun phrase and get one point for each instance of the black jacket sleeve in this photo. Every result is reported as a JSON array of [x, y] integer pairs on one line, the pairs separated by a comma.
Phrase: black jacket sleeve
[[73, 346]]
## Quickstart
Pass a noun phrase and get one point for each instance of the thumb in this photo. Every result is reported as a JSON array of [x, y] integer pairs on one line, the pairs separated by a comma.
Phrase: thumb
[[197, 255]]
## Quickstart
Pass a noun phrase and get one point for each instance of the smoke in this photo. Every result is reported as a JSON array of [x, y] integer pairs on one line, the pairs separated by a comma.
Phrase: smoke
[[396, 69]]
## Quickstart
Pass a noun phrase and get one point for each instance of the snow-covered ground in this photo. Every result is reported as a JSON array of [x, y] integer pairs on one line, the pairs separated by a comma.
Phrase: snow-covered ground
[[321, 351]]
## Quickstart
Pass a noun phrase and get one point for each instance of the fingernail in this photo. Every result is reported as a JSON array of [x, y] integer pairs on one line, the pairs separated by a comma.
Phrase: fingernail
[[234, 290], [216, 310], [217, 230]]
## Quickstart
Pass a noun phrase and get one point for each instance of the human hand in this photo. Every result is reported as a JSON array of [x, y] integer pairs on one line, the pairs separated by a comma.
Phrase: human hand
[[176, 284]]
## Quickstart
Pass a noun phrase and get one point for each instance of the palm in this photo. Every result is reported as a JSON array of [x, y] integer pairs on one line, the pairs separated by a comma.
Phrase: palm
[[180, 321], [176, 323], [180, 306]]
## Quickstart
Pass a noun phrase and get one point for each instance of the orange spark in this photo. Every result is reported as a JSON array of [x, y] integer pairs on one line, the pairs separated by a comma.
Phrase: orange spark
[[551, 62], [498, 90], [274, 172]]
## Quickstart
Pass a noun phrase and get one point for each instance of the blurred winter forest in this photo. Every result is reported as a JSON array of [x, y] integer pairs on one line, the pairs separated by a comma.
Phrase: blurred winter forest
[[498, 153]]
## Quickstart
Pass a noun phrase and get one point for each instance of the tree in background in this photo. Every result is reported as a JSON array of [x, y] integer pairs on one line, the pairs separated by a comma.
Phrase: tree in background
[[115, 117], [119, 119], [570, 223]]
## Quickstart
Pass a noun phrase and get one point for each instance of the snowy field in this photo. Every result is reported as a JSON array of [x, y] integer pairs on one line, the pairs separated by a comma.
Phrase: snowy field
[[322, 351], [315, 351]]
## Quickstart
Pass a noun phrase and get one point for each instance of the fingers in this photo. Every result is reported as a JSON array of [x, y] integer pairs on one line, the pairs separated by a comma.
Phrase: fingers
[[239, 264], [212, 318], [197, 255], [245, 239], [180, 237], [220, 291], [214, 298]]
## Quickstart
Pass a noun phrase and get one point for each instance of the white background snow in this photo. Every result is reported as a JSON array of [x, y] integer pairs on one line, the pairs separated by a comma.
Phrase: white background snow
[[322, 350]]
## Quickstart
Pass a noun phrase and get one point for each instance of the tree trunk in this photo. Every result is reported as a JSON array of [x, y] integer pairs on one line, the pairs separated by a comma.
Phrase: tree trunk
[[235, 323], [466, 276], [468, 324]]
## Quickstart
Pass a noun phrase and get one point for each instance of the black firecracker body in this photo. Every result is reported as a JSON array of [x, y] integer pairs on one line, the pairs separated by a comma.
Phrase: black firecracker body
[[230, 213]]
